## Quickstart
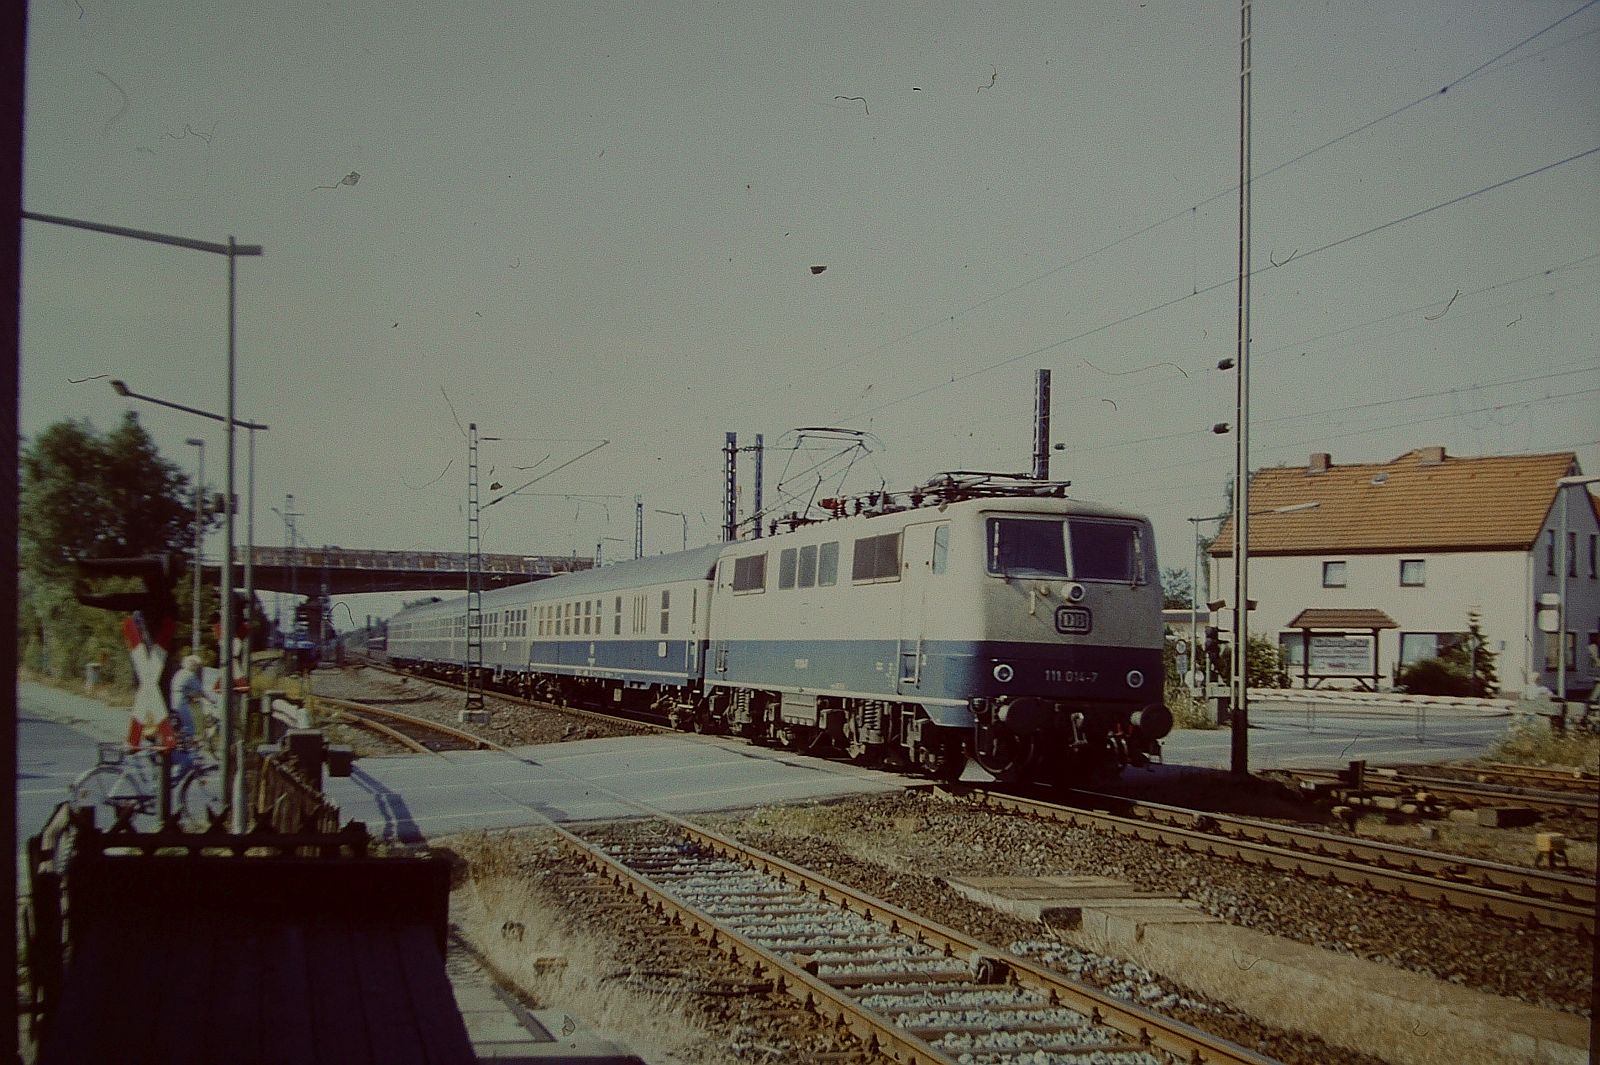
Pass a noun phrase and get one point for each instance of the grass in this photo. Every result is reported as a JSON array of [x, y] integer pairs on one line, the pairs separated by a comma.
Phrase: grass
[[1188, 711], [555, 964], [1533, 742]]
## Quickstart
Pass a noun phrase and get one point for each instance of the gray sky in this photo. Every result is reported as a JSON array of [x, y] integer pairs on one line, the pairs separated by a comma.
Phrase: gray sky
[[586, 222]]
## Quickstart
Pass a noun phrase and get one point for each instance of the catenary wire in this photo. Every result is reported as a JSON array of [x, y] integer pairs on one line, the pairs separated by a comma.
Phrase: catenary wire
[[1219, 195]]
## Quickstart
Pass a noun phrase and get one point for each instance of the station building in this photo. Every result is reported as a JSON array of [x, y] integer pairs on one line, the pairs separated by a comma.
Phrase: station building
[[1360, 570]]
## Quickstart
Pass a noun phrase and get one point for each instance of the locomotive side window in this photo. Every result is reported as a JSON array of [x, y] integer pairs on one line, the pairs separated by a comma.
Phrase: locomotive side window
[[750, 573], [828, 564], [666, 610], [877, 558], [941, 548], [1106, 551], [1023, 547], [808, 566], [786, 568]]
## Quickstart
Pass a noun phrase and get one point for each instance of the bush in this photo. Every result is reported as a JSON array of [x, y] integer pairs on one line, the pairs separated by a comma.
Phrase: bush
[[1263, 664], [1436, 676]]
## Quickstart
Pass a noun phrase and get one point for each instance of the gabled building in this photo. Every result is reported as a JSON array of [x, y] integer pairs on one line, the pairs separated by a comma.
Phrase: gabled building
[[1359, 570]]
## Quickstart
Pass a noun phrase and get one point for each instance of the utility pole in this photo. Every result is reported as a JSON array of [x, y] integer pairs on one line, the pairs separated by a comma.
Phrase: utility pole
[[1041, 426], [760, 449], [474, 581], [730, 488], [1241, 464]]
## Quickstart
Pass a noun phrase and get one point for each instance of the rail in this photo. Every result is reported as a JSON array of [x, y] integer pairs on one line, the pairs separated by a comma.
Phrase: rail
[[900, 1033], [1546, 898]]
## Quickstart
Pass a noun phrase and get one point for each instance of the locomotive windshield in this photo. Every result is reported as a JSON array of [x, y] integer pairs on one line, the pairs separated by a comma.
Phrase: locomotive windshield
[[1037, 547]]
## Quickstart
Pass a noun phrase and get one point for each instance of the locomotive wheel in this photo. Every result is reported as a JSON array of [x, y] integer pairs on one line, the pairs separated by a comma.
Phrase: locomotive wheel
[[944, 762], [1001, 754]]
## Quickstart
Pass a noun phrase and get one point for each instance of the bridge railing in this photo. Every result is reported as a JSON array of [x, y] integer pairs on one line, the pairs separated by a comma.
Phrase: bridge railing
[[414, 561]]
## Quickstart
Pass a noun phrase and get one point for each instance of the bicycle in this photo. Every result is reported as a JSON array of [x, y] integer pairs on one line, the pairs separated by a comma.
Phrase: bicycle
[[127, 780]]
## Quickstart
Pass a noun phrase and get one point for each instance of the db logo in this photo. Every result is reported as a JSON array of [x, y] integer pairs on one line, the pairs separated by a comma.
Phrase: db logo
[[1073, 621]]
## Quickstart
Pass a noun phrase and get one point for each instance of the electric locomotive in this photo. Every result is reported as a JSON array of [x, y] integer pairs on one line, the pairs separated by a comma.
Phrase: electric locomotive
[[976, 616]]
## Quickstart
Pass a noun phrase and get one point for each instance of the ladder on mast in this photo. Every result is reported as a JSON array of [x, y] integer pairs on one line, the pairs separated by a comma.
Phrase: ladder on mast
[[474, 677]]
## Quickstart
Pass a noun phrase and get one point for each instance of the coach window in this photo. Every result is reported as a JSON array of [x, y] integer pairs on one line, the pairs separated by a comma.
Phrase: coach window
[[828, 565], [808, 567], [666, 610], [750, 574], [1413, 573], [941, 548], [1333, 575], [786, 568]]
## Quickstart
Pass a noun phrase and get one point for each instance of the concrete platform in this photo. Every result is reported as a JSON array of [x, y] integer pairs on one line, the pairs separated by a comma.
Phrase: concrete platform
[[1069, 901], [505, 1032]]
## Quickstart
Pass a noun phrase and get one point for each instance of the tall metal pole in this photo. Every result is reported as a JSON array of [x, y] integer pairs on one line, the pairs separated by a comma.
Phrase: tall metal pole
[[232, 762], [250, 559], [730, 497], [1041, 426], [1241, 463], [199, 543], [638, 527], [761, 450], [1562, 562], [474, 678]]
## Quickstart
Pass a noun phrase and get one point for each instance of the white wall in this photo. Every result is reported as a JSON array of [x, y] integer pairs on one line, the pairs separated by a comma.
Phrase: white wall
[[1494, 583]]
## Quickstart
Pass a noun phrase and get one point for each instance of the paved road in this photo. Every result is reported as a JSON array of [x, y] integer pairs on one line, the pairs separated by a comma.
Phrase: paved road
[[1288, 735], [408, 798]]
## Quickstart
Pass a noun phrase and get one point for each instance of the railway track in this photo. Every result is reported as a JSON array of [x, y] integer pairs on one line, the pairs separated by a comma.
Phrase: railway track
[[1409, 785], [367, 716], [1536, 896], [922, 993], [914, 990], [613, 720]]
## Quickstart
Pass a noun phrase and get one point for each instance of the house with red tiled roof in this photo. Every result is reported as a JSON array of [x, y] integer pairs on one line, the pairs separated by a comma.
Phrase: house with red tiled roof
[[1358, 570]]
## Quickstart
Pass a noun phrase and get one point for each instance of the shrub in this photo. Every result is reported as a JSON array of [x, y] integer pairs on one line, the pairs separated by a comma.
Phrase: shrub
[[1436, 676]]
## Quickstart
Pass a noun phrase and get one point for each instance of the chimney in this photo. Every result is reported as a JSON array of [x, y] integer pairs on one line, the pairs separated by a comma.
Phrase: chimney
[[1320, 461], [1430, 456]]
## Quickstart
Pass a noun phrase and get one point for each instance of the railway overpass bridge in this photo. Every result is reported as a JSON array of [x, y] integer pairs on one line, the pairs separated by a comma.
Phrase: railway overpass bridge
[[308, 570]]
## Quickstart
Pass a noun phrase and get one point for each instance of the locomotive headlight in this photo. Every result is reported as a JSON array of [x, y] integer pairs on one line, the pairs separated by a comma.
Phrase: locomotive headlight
[[1074, 593], [1003, 673], [1135, 679]]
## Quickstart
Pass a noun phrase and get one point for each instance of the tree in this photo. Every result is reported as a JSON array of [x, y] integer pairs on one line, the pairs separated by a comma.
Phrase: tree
[[86, 495], [1177, 588], [1472, 658]]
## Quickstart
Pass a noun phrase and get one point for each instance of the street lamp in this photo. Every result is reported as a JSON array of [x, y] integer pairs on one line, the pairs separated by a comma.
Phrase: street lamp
[[232, 250], [199, 543], [1562, 484], [685, 517]]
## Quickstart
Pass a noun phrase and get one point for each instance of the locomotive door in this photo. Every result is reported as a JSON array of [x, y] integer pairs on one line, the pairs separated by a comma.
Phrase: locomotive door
[[917, 555]]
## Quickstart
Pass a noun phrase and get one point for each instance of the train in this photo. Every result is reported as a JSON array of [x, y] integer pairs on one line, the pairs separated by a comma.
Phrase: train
[[983, 617]]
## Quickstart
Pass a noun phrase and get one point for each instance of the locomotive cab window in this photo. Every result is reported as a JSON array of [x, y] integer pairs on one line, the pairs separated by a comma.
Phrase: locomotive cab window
[[828, 564], [941, 548], [1027, 547], [1106, 551]]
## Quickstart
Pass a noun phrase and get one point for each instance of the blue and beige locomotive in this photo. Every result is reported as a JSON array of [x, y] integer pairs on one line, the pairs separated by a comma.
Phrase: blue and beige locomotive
[[1005, 622]]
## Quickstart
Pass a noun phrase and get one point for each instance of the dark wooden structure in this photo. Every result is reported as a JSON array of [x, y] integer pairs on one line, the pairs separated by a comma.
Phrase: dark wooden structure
[[201, 949]]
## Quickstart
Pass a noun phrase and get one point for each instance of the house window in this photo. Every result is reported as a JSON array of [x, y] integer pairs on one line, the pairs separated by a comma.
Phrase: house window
[[1333, 574], [786, 567], [941, 548], [808, 566], [750, 573], [1550, 552], [1412, 573], [1550, 645], [828, 565], [1416, 646]]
